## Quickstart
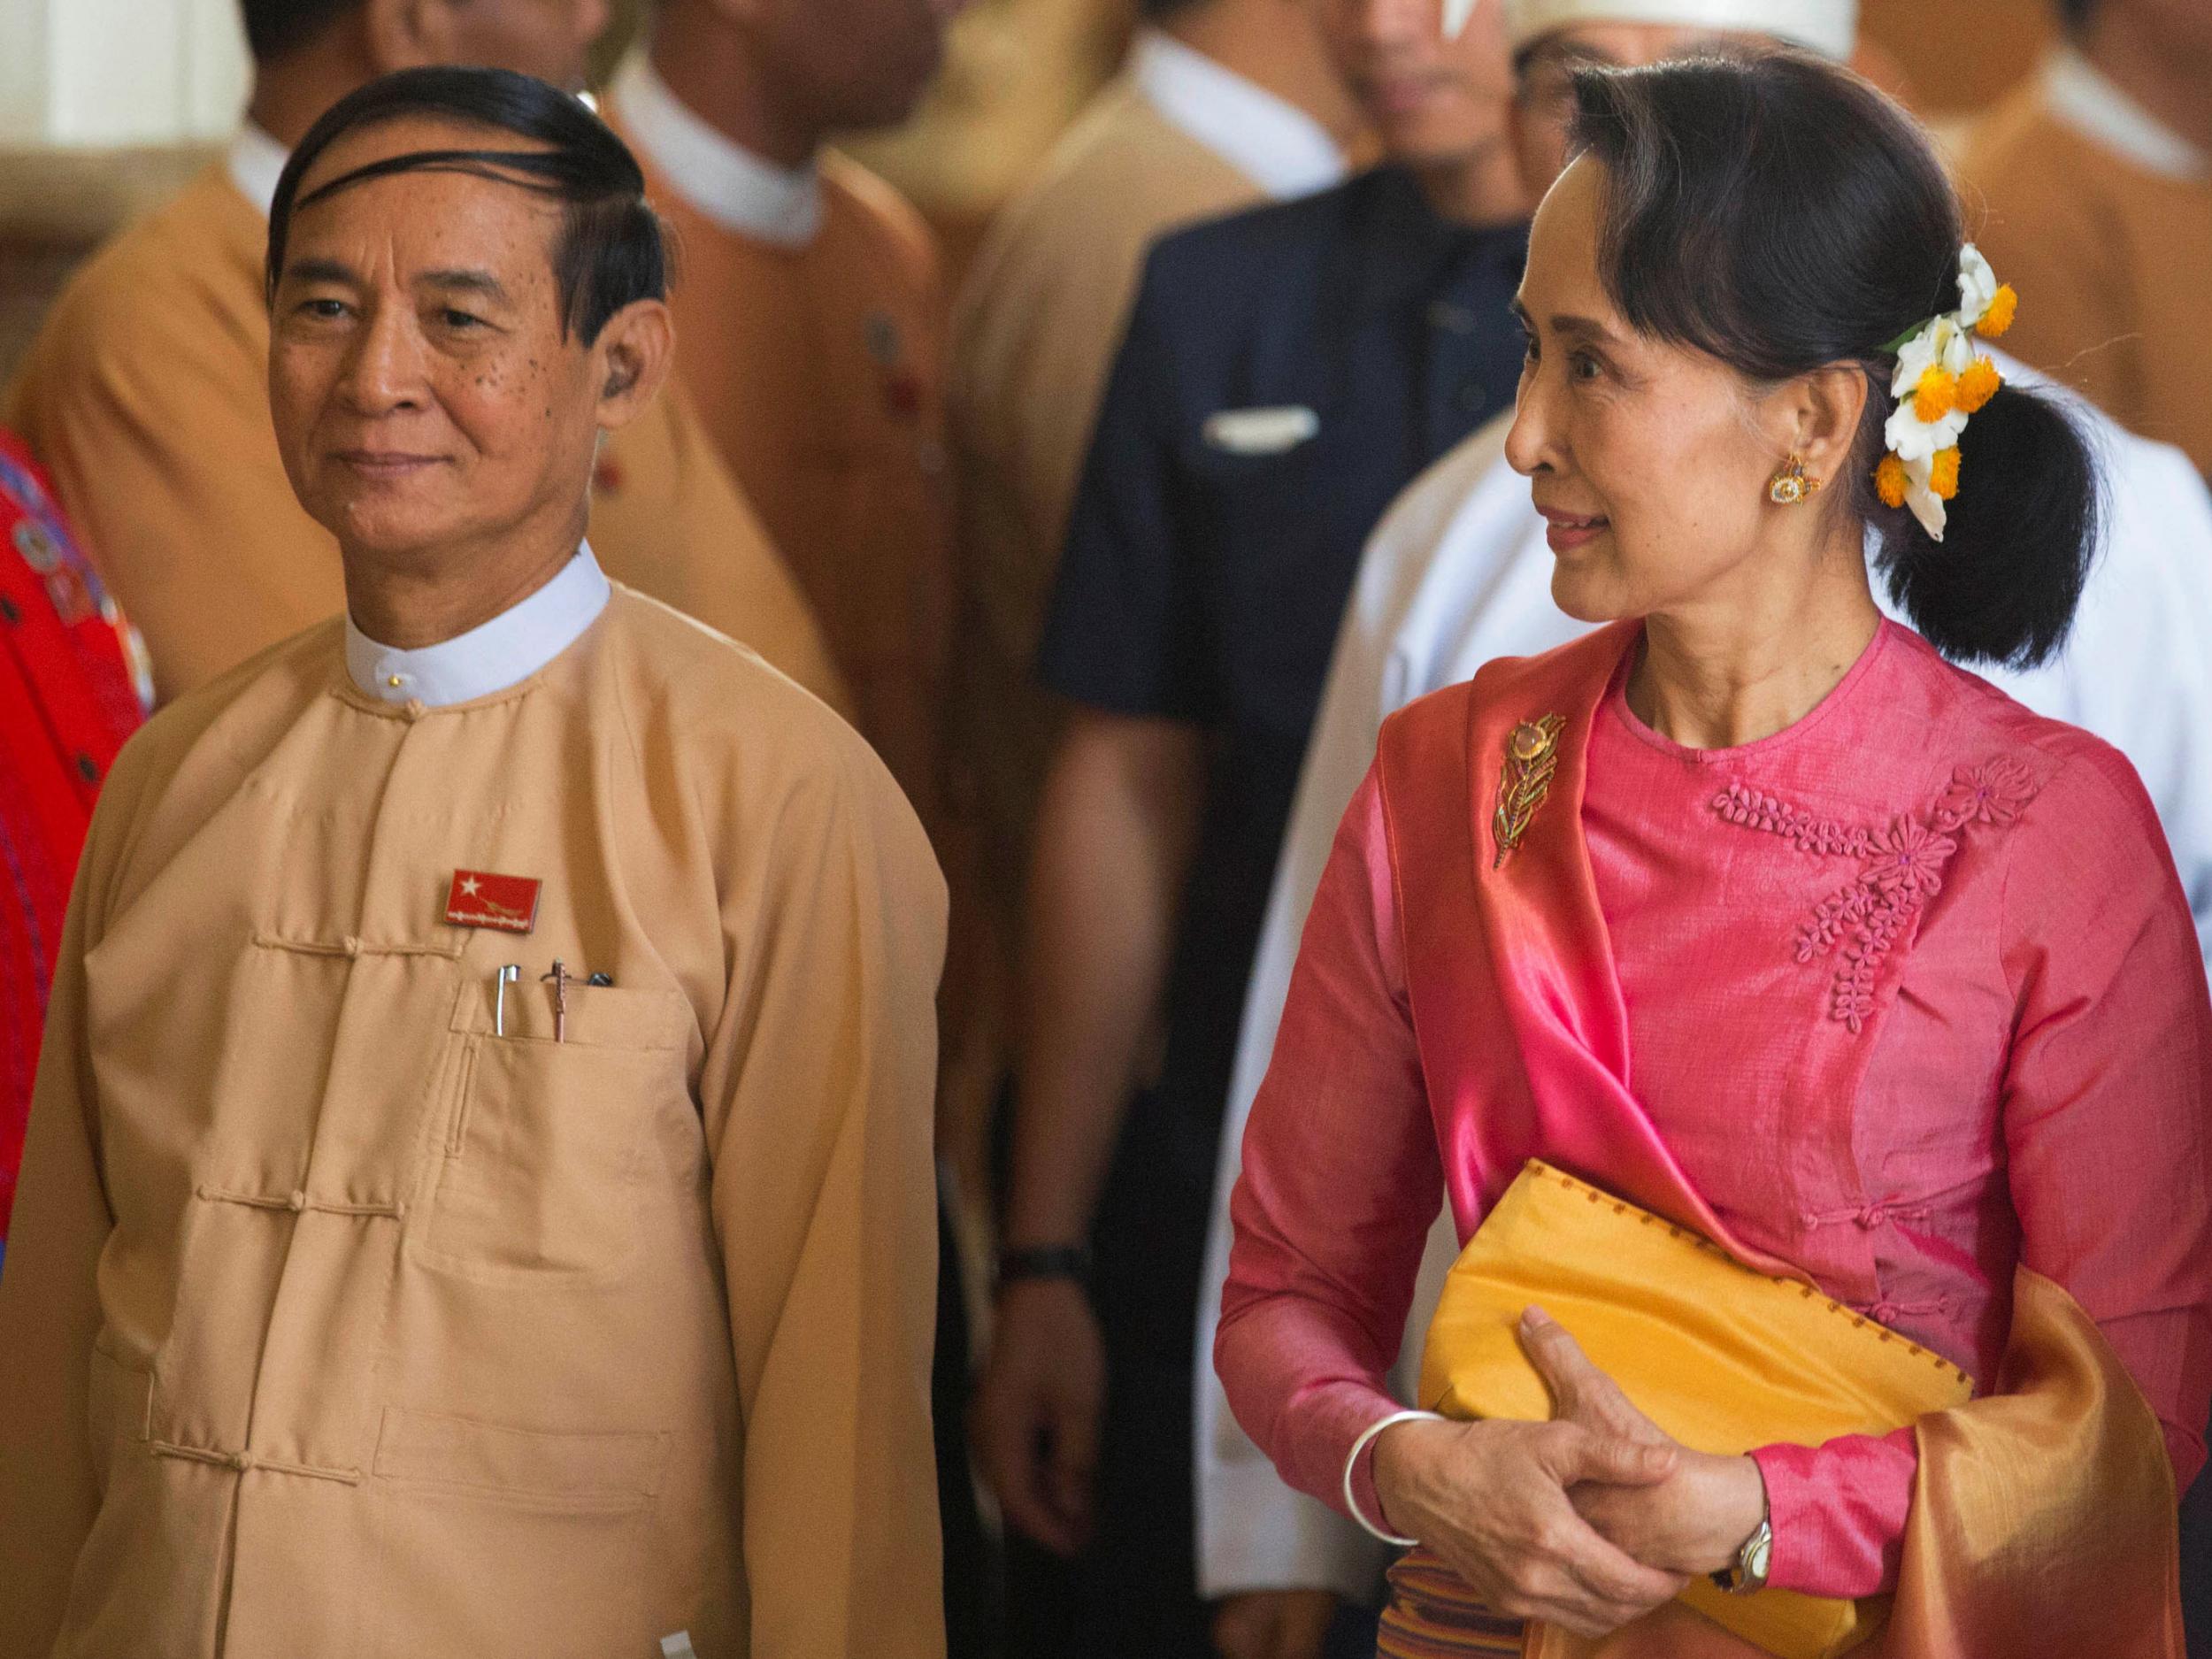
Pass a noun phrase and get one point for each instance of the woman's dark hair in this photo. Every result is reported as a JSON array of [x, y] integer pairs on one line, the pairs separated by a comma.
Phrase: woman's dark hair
[[1781, 214], [611, 251]]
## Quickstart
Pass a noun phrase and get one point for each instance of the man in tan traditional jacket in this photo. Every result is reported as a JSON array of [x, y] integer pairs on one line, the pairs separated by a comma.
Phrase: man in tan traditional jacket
[[2097, 180], [145, 394], [810, 317], [479, 1197], [1223, 103]]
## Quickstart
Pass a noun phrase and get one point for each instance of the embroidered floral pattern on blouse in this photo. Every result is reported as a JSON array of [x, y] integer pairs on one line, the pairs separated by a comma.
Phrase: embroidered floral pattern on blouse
[[1901, 868]]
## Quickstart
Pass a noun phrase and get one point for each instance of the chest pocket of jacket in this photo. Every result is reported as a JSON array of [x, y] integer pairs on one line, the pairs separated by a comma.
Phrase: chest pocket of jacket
[[542, 1167]]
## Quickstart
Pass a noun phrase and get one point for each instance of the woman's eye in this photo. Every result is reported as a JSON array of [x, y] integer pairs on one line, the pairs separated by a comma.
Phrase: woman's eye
[[1528, 348], [1583, 366]]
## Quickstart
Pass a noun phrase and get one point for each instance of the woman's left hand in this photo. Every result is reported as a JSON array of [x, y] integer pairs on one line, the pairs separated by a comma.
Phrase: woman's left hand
[[1694, 1521]]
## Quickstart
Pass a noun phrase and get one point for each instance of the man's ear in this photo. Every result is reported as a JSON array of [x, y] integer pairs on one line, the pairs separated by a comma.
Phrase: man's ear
[[632, 357], [408, 33]]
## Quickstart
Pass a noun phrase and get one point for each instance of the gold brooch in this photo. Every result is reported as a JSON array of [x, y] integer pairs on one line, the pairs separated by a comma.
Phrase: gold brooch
[[1532, 755]]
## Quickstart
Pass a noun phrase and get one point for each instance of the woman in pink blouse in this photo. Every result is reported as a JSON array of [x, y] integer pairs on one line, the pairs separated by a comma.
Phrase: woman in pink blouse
[[1866, 973]]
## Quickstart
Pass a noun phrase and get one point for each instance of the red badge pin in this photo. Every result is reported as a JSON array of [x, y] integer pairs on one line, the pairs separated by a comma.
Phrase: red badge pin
[[480, 899]]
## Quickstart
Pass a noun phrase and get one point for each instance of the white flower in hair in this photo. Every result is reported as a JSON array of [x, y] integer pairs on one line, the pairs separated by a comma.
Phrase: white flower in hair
[[1941, 382], [1978, 286], [1913, 439], [1942, 345]]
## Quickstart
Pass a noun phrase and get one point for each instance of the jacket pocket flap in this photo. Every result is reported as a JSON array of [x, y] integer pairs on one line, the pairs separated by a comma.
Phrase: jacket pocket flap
[[432, 1448]]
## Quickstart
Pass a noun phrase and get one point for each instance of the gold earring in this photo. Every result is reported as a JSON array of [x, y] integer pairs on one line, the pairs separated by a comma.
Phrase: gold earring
[[1791, 485]]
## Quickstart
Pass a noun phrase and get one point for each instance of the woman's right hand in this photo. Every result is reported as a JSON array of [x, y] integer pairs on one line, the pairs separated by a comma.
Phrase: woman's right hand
[[1491, 1498]]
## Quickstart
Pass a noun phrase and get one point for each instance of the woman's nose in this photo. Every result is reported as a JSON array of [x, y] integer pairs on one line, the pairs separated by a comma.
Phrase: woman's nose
[[1528, 444]]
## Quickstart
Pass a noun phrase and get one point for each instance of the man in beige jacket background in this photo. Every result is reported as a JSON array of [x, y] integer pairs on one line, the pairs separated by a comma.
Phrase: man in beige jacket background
[[478, 1195], [144, 393]]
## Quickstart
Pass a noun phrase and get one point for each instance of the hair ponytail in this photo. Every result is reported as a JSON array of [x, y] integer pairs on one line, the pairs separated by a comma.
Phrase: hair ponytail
[[1782, 215], [2003, 585]]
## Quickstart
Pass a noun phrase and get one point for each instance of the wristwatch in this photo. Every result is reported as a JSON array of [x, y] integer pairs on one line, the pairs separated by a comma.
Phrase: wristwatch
[[1749, 1572], [1059, 1261]]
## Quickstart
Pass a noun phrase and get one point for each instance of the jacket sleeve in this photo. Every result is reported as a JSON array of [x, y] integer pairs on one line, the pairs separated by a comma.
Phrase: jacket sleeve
[[817, 1089], [1339, 1183], [50, 1313]]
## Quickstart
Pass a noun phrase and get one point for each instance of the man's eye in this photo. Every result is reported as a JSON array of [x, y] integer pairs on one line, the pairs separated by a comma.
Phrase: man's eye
[[327, 310], [460, 320]]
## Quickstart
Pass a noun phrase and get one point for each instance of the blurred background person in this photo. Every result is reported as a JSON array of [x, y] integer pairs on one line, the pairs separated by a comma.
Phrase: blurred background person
[[1223, 103], [144, 393], [2095, 182], [813, 320], [1285, 372], [72, 688]]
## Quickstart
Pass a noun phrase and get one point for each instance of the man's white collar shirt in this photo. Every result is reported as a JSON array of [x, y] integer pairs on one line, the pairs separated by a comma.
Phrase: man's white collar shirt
[[2080, 95], [256, 162], [491, 656], [1270, 141], [743, 193]]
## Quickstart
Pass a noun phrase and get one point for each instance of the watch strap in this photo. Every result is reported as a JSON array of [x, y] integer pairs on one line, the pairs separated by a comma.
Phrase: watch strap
[[1054, 1260]]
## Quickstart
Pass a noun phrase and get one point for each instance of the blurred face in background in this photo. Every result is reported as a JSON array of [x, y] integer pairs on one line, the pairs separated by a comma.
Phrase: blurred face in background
[[1545, 106], [847, 64], [1430, 100], [550, 38]]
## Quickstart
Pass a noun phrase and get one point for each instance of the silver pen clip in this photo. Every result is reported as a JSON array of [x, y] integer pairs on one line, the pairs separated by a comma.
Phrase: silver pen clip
[[506, 977]]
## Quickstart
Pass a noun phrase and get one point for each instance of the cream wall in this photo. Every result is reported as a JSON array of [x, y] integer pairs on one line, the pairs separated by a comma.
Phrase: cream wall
[[102, 73]]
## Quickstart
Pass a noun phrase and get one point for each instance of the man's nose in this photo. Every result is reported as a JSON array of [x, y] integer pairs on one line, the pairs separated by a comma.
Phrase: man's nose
[[384, 371]]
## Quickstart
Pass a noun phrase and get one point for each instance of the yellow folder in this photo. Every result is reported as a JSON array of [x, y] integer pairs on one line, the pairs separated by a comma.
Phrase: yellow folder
[[1723, 1358]]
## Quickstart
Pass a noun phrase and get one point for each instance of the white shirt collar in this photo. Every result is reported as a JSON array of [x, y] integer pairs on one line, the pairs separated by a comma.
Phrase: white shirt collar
[[1278, 145], [492, 656], [256, 162], [2086, 100], [738, 191]]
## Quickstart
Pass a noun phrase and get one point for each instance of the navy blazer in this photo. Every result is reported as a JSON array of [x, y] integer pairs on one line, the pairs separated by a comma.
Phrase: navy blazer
[[1285, 372]]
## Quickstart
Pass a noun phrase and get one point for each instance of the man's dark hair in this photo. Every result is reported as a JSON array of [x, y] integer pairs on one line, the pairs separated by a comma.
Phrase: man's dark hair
[[274, 28], [2076, 14], [1780, 214], [611, 251], [1160, 11]]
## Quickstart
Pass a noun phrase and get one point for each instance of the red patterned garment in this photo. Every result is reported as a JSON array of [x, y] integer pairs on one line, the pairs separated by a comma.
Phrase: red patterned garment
[[1913, 998], [67, 700]]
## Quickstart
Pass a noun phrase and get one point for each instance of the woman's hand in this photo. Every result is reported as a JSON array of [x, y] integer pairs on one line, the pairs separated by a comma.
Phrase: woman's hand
[[1694, 1520], [1492, 1499]]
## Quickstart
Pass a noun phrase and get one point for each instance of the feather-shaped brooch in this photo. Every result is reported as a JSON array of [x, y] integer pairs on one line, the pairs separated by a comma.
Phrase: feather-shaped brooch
[[1531, 757]]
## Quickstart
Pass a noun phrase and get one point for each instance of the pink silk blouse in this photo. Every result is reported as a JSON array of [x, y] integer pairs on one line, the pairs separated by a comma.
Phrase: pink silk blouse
[[2038, 1091]]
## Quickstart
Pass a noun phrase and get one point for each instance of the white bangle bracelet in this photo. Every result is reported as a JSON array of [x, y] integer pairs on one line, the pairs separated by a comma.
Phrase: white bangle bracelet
[[1351, 1503]]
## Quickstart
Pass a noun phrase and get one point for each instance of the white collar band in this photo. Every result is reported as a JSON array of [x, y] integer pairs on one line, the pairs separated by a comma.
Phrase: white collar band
[[2083, 97], [491, 656], [256, 162], [1829, 27], [1272, 142], [739, 191]]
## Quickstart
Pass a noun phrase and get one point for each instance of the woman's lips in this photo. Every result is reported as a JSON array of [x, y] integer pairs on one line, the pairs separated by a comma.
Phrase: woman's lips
[[1567, 531]]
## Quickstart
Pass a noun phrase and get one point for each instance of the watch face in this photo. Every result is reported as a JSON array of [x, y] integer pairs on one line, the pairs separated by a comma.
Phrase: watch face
[[1758, 1555]]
